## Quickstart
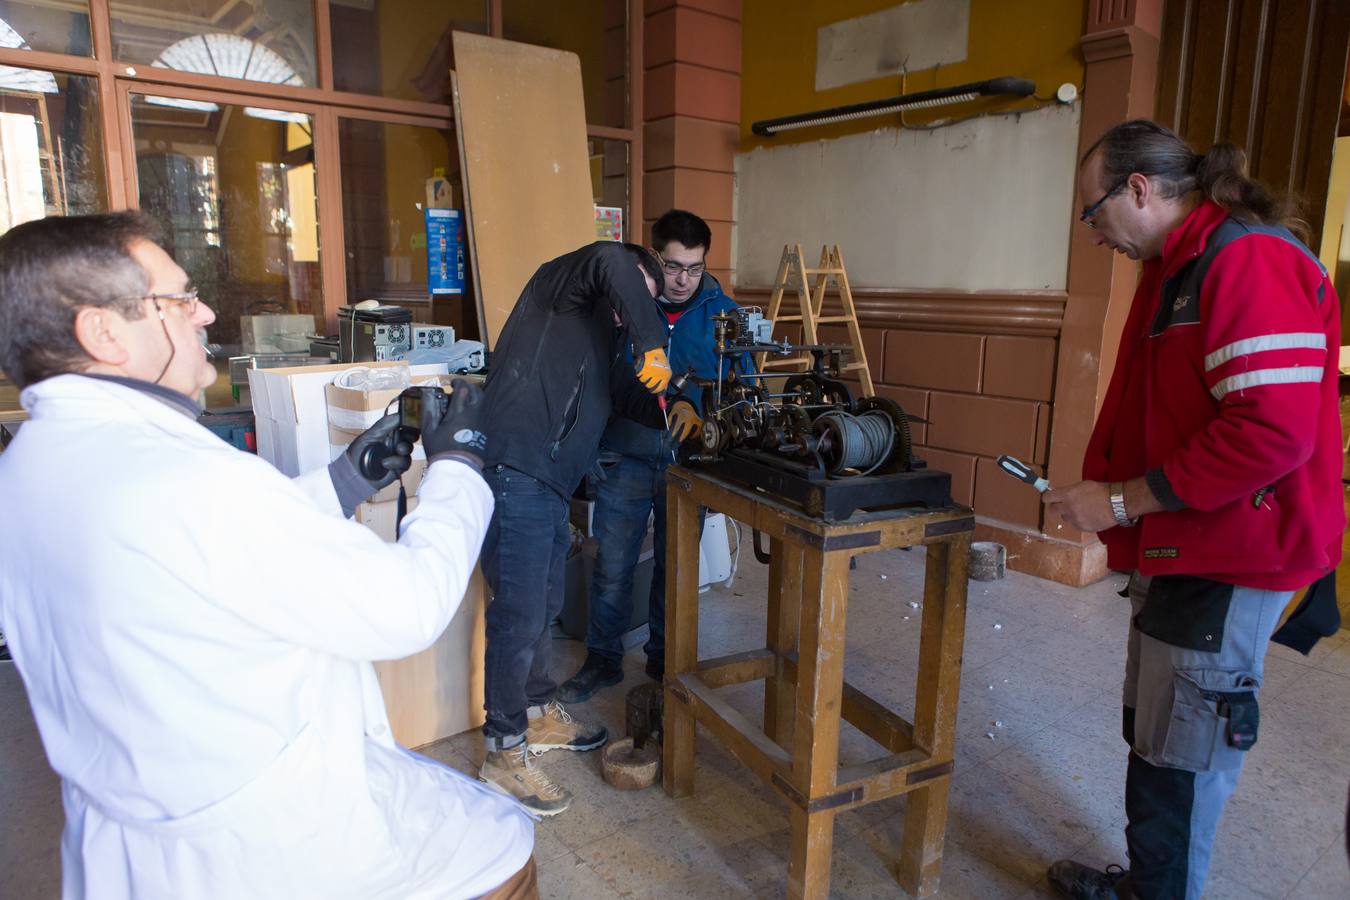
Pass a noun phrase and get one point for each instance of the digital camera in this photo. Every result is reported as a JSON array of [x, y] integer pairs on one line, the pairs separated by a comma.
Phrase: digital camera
[[409, 430]]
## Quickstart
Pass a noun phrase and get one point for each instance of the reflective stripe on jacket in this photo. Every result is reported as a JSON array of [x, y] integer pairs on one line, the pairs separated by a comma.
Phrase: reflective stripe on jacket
[[1230, 391]]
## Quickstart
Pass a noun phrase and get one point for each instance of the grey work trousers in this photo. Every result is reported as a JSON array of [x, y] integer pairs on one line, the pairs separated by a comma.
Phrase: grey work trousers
[[1190, 716]]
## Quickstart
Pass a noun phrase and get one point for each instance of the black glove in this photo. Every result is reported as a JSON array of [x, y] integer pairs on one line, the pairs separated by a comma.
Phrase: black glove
[[351, 485], [458, 433]]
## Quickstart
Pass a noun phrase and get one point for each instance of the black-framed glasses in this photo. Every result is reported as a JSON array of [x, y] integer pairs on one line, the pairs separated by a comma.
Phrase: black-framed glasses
[[1089, 214], [674, 268]]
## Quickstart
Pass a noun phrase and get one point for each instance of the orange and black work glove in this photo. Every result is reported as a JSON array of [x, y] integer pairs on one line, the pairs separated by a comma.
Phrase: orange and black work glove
[[653, 370], [684, 422]]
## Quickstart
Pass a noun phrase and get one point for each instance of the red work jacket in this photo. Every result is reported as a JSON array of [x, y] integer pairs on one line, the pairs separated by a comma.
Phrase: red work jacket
[[1233, 396]]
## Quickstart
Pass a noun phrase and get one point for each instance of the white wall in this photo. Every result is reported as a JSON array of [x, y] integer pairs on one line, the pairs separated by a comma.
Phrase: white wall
[[984, 204]]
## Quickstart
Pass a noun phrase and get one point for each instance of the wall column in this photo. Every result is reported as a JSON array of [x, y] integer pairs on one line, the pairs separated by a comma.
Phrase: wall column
[[1120, 47], [692, 112]]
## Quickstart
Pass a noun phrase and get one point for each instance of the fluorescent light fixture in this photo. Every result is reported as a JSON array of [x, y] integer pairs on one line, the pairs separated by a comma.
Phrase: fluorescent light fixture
[[1006, 86], [180, 103], [277, 115]]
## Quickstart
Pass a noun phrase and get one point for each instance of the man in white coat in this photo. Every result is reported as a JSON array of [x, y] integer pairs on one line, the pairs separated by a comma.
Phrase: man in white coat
[[195, 630]]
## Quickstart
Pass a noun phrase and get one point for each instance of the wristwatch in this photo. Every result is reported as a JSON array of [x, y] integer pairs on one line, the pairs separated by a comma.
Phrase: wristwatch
[[1117, 493]]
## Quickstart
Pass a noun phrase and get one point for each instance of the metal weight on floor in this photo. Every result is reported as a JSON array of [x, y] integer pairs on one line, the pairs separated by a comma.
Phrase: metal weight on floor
[[987, 560]]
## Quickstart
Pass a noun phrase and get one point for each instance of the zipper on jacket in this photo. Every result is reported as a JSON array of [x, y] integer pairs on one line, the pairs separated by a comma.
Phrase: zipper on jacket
[[573, 407], [1259, 497]]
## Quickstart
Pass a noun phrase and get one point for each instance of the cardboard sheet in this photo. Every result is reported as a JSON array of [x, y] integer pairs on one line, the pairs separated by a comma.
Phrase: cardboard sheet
[[521, 121]]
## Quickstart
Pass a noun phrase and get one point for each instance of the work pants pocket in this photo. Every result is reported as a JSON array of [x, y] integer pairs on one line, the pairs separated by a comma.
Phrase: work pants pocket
[[1214, 720]]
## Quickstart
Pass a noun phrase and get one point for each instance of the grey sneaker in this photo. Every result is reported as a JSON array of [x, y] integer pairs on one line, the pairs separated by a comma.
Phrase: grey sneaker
[[1079, 882], [513, 772]]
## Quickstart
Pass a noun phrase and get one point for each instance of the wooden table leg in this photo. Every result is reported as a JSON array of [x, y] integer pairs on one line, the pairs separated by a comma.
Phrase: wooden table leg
[[682, 539], [939, 679], [785, 592], [815, 745]]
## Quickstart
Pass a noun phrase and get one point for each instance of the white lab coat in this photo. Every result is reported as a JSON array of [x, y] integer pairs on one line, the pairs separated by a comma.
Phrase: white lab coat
[[195, 633]]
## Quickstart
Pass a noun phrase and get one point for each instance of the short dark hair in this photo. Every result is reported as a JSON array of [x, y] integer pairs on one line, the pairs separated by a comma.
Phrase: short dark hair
[[683, 226], [650, 264], [1148, 148], [49, 269]]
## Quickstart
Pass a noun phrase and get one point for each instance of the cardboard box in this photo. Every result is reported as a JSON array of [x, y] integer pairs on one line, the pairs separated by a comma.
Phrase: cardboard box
[[437, 693], [411, 479], [382, 517], [351, 410], [292, 412], [581, 514], [275, 334]]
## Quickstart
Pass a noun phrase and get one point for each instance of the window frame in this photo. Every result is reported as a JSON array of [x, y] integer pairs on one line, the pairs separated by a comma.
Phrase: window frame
[[118, 80]]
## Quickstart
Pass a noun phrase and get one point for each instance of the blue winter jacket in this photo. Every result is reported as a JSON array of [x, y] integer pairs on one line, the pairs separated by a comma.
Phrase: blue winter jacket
[[691, 345]]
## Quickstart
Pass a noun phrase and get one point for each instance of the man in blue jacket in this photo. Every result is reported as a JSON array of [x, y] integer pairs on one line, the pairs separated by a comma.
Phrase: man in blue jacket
[[635, 451]]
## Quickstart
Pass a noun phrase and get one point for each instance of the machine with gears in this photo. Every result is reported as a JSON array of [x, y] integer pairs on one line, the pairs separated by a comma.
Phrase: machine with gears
[[803, 436]]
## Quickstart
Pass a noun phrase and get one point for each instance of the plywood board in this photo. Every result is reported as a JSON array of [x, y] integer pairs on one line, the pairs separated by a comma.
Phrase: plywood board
[[521, 122]]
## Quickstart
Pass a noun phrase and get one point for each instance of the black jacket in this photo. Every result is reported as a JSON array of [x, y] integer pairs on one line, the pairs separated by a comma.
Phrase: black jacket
[[548, 391]]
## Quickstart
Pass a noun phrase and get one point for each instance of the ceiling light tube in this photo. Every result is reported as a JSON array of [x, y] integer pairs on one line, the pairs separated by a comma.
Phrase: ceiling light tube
[[1007, 86]]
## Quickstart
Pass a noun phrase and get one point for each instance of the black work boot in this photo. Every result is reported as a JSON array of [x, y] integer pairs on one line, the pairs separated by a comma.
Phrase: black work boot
[[1079, 882], [656, 667], [596, 672]]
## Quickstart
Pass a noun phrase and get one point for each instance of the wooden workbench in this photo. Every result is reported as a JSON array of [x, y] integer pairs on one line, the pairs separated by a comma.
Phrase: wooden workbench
[[802, 664]]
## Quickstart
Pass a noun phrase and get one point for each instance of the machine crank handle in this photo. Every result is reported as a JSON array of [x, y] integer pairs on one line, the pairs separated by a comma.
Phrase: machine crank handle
[[1022, 472], [761, 555]]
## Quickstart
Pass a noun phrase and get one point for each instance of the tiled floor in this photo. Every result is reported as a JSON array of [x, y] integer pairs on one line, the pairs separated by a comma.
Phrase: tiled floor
[[1039, 775]]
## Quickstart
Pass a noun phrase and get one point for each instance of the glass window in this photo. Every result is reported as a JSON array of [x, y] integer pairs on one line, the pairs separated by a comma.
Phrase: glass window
[[391, 174], [259, 40], [55, 27], [399, 48], [51, 148], [233, 187], [596, 31], [609, 182]]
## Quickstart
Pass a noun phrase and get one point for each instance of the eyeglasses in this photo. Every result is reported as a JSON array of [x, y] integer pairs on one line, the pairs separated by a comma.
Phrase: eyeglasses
[[1089, 214], [188, 297], [673, 268]]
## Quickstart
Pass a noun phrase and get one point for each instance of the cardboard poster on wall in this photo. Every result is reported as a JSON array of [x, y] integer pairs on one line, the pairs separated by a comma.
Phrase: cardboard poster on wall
[[521, 122]]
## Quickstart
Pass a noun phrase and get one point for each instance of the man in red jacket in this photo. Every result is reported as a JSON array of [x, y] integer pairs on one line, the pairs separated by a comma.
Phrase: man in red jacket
[[1212, 475]]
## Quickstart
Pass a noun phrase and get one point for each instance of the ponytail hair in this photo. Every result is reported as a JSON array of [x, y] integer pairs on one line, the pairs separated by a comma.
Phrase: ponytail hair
[[1221, 174]]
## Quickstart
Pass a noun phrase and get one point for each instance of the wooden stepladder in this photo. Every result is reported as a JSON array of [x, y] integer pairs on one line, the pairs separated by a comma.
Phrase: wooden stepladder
[[793, 276]]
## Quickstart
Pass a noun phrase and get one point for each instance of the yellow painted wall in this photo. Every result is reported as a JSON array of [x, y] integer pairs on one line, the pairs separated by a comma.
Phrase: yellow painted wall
[[1034, 39], [578, 26], [411, 156], [301, 198], [242, 143], [409, 31]]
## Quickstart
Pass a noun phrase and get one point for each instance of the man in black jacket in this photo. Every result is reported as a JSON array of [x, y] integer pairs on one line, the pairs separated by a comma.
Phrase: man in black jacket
[[547, 400]]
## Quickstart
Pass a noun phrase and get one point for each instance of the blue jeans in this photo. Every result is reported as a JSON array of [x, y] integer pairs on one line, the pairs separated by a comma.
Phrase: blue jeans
[[524, 560], [633, 489]]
